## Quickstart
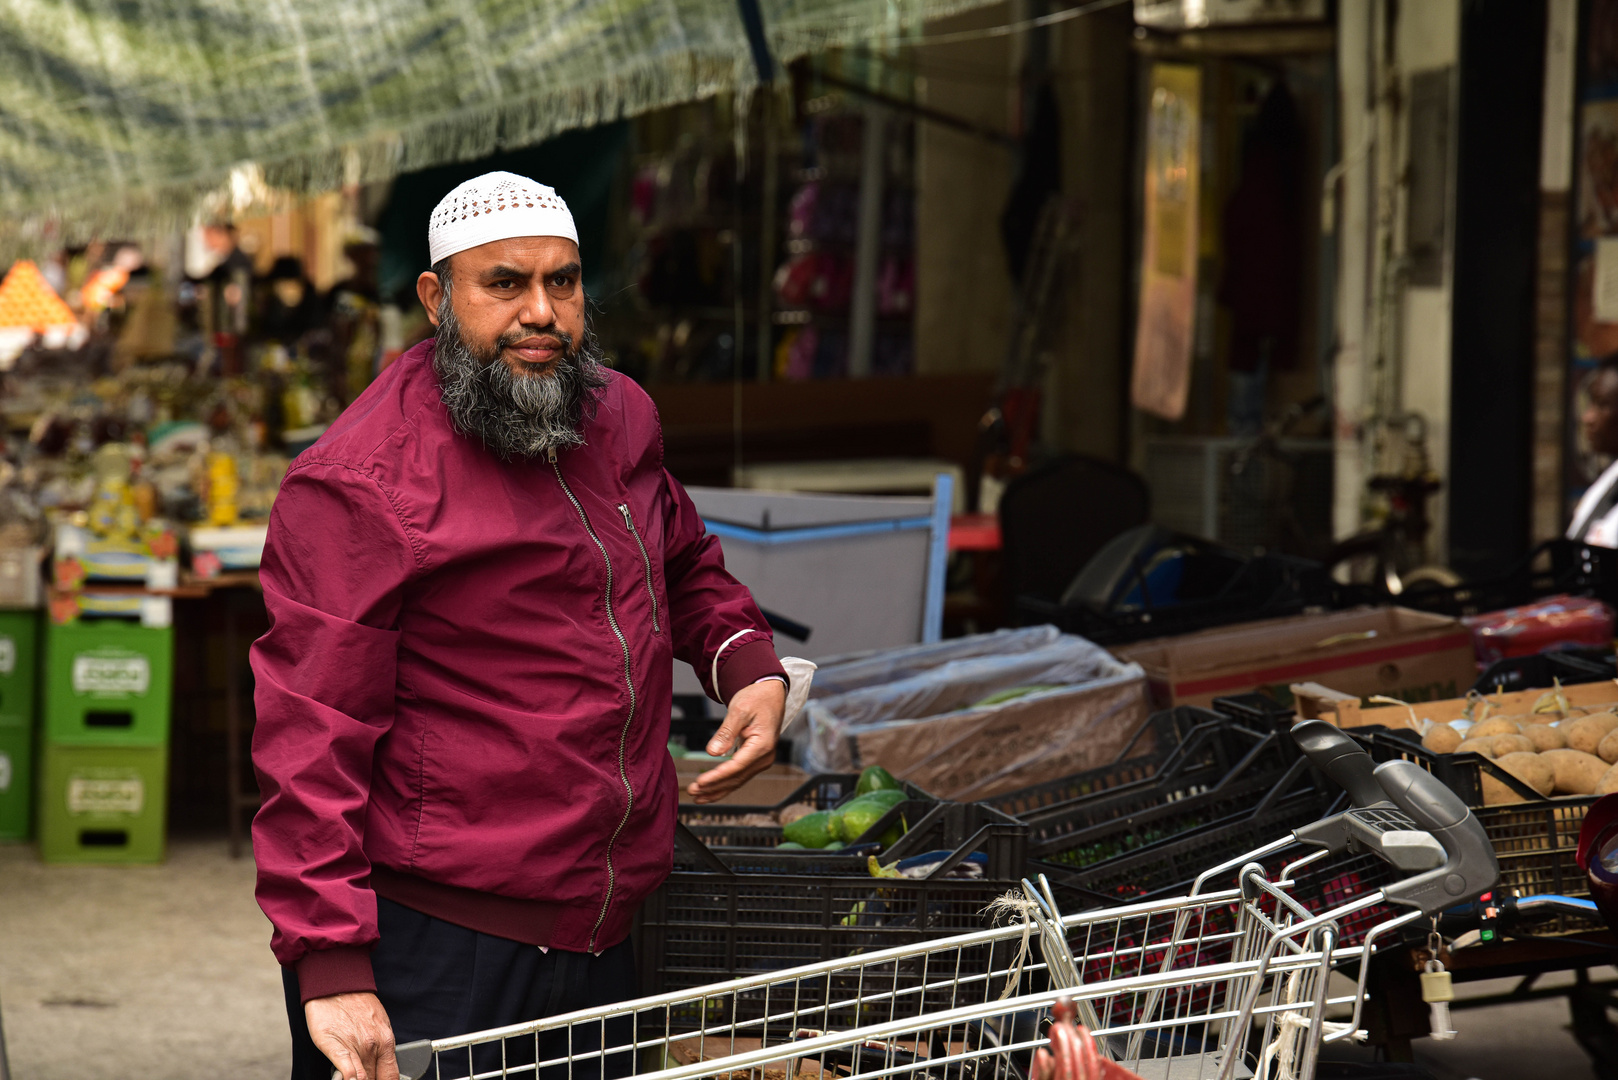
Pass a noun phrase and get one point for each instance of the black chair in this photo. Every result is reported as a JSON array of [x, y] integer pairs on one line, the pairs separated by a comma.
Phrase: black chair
[[1054, 518]]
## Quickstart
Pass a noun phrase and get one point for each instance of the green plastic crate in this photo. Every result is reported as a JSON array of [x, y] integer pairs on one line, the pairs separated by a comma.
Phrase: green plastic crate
[[16, 782], [108, 683], [19, 667], [102, 804]]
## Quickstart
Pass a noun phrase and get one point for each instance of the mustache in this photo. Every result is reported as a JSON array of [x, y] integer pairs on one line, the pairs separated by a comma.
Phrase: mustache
[[511, 338]]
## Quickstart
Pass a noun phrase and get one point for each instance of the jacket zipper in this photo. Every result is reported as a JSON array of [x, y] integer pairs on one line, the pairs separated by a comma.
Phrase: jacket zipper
[[623, 508], [629, 681]]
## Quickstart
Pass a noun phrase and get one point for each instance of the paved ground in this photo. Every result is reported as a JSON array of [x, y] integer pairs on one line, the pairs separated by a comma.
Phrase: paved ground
[[1526, 1041], [164, 973], [157, 973]]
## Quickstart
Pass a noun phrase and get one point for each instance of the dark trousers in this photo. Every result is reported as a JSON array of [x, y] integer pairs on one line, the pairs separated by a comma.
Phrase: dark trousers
[[437, 980]]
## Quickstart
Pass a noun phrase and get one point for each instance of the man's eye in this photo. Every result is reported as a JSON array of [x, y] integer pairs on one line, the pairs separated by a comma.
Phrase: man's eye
[[505, 283], [561, 281]]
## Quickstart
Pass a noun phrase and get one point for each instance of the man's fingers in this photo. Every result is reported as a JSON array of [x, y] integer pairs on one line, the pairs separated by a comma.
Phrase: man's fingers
[[345, 1063], [712, 782], [387, 1063], [729, 728], [753, 756], [753, 749]]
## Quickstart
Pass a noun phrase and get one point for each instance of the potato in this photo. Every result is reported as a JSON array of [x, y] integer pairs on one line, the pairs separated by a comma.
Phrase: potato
[[1608, 784], [1607, 749], [1476, 746], [1544, 737], [1531, 769], [1496, 793], [1441, 739], [1586, 732], [1501, 745], [1577, 773], [1496, 725]]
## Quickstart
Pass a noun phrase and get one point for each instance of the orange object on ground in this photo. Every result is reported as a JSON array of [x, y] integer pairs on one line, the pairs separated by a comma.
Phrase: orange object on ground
[[27, 300]]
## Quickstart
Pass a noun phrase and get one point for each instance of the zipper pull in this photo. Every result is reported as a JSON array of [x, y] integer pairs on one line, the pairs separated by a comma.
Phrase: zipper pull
[[629, 522], [550, 454]]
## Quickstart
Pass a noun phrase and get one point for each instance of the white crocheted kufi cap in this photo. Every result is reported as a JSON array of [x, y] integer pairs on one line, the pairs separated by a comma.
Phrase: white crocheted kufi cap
[[496, 206]]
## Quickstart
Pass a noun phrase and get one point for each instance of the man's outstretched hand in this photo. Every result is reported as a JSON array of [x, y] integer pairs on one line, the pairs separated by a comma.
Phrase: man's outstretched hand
[[352, 1030], [748, 732]]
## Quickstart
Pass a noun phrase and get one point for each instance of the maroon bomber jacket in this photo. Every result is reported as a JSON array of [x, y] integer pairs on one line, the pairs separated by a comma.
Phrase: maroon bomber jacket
[[463, 697]]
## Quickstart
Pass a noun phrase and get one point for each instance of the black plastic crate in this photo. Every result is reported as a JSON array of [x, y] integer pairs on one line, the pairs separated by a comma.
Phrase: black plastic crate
[[1123, 859], [1534, 841], [1221, 769], [1543, 670], [726, 913], [997, 843], [1171, 867], [735, 825], [1173, 741], [1156, 742], [1554, 567], [1261, 587]]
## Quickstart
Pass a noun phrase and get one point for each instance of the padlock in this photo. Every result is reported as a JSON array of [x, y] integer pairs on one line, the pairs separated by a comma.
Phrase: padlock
[[1437, 992]]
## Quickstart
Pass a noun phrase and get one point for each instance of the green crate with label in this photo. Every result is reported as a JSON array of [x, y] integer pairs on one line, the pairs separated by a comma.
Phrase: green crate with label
[[108, 683], [19, 667], [102, 804], [16, 782]]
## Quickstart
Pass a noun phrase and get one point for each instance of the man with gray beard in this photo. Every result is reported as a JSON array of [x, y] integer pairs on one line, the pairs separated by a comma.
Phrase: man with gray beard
[[477, 582], [515, 415]]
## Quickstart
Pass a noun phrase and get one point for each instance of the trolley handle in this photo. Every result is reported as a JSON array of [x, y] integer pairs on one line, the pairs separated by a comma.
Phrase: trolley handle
[[1338, 756], [1469, 869], [415, 1060]]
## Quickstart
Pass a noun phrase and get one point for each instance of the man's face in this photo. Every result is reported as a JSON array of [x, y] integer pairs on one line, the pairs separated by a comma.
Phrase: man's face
[[1601, 415], [516, 363], [519, 299]]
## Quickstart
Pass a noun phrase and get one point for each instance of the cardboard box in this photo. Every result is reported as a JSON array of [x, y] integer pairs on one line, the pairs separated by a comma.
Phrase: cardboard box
[[978, 753], [766, 789], [1403, 654], [1351, 714], [931, 714]]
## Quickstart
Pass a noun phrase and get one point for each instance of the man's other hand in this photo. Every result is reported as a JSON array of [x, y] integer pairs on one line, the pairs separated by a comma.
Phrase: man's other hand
[[352, 1030], [748, 733]]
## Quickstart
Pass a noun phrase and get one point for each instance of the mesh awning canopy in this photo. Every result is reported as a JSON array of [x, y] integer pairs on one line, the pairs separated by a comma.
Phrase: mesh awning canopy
[[111, 110]]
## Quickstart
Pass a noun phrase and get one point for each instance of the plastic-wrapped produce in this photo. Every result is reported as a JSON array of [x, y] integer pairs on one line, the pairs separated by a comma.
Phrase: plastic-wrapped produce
[[971, 718]]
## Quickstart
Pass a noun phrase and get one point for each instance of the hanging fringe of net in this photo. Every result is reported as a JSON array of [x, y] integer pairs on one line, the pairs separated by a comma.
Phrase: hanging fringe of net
[[120, 128]]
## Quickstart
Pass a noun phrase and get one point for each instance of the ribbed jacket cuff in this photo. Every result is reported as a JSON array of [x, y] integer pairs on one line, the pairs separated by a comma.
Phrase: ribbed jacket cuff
[[343, 970], [746, 665]]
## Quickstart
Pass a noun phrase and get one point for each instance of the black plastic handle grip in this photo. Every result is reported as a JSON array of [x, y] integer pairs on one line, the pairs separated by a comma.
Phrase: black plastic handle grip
[[1340, 757], [1470, 869], [1421, 795]]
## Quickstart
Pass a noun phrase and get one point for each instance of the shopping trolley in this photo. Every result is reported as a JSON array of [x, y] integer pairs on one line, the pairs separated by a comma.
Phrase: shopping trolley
[[1229, 983]]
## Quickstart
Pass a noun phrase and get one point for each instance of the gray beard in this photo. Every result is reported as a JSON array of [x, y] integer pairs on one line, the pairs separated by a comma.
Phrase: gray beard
[[517, 416]]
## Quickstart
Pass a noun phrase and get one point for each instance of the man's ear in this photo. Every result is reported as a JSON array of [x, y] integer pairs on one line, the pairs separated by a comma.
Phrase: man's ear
[[430, 291]]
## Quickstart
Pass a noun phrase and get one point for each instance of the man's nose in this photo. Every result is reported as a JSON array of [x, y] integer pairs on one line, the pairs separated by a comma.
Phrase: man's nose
[[536, 308]]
